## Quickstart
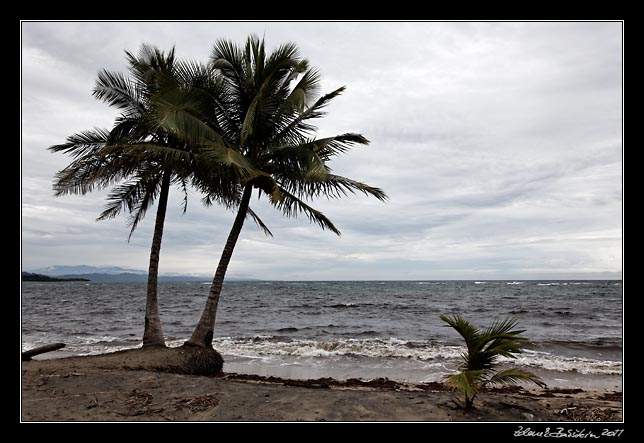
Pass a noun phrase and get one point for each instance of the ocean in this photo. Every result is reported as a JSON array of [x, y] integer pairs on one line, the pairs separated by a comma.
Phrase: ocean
[[362, 329]]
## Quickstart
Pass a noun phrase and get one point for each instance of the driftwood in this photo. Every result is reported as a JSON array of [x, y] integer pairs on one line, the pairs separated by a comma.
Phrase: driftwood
[[26, 356]]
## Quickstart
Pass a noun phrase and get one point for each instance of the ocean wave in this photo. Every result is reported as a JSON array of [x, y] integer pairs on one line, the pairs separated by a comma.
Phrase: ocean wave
[[596, 345], [372, 351], [365, 347], [393, 348], [561, 363], [287, 330], [519, 311], [77, 342], [342, 305]]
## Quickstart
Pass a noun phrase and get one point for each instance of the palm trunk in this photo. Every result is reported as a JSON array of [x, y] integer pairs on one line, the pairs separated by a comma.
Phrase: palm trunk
[[153, 334], [202, 335]]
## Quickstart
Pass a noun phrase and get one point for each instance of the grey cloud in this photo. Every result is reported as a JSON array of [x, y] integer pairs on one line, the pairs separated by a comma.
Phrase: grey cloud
[[498, 143]]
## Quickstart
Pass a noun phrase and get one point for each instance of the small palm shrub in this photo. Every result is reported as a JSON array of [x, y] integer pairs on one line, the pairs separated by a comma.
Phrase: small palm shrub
[[484, 347]]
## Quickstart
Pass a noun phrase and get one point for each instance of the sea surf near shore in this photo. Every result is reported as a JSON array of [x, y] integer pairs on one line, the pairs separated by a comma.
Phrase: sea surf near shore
[[347, 329]]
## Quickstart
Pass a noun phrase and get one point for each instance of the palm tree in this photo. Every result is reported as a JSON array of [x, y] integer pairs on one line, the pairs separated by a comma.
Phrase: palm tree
[[484, 347], [263, 112], [145, 149]]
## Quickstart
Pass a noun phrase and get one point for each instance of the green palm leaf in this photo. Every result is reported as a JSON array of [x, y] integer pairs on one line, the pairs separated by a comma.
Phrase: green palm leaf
[[468, 331], [467, 382], [83, 143], [291, 206], [515, 376], [297, 125], [116, 90], [260, 224], [484, 347]]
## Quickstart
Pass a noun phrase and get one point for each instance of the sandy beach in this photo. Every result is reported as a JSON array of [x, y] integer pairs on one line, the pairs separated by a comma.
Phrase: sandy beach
[[119, 387]]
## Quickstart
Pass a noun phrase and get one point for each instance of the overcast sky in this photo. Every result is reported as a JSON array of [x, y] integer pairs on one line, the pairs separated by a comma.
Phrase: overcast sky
[[499, 145]]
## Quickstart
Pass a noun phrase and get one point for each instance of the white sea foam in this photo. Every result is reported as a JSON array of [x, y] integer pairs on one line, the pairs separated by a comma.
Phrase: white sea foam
[[94, 350], [564, 364], [377, 348], [425, 351], [375, 351]]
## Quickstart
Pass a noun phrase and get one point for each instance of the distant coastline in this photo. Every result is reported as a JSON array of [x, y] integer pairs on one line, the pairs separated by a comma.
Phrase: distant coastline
[[28, 276]]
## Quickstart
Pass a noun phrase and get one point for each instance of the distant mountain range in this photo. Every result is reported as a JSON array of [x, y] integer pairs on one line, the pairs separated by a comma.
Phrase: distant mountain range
[[28, 276], [58, 270], [116, 274]]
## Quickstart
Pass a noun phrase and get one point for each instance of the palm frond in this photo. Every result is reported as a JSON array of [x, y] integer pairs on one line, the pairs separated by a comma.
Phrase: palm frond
[[306, 89], [142, 208], [291, 206], [116, 90], [126, 197], [210, 152], [91, 172], [83, 143], [179, 113], [258, 221], [502, 328], [134, 196], [181, 181], [285, 56], [259, 57], [467, 382], [227, 59], [501, 338], [331, 186], [468, 331], [127, 130], [293, 130], [248, 125], [515, 376], [146, 66], [325, 148], [338, 182]]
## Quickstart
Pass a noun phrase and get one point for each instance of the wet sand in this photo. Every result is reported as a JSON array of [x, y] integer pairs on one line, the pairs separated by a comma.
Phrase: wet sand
[[115, 387]]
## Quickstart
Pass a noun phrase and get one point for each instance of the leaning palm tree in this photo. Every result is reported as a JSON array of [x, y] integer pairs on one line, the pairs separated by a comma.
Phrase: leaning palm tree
[[263, 112], [143, 155], [484, 347]]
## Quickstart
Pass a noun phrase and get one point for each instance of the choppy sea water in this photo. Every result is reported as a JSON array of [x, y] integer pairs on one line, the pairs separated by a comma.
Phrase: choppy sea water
[[346, 329]]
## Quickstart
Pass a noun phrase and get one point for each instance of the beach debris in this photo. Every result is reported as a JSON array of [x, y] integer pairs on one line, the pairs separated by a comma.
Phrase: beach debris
[[578, 413], [72, 374], [614, 396], [381, 383], [198, 404], [138, 399], [139, 403], [26, 356], [94, 403]]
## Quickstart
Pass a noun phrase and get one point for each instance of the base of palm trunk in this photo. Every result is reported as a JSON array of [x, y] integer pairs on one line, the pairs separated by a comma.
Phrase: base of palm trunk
[[154, 344], [191, 360], [200, 360]]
